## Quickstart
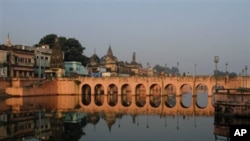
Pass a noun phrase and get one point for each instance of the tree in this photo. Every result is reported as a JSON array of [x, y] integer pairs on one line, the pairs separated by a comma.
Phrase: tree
[[73, 50], [222, 73], [160, 69]]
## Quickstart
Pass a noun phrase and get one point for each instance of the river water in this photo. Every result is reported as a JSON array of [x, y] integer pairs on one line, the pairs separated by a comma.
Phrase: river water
[[61, 118]]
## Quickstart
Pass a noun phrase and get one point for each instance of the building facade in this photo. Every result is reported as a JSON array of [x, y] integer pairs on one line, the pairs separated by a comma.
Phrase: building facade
[[73, 68], [16, 60], [43, 57], [109, 65]]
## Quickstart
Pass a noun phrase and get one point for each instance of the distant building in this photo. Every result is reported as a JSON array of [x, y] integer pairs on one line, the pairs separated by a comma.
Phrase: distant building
[[109, 65], [56, 62], [94, 64], [134, 66], [110, 62], [73, 68]]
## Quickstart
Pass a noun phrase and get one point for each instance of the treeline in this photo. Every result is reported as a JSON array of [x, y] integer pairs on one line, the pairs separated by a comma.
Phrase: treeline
[[175, 71], [73, 50]]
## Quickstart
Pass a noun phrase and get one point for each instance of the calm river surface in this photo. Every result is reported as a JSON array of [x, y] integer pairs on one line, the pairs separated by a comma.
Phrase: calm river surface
[[62, 118]]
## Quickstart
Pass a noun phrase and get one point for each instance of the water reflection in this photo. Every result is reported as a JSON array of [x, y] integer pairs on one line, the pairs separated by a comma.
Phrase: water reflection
[[170, 100], [222, 125], [143, 117]]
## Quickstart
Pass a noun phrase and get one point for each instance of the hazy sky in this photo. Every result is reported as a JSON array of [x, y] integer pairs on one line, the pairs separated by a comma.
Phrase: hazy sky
[[159, 31]]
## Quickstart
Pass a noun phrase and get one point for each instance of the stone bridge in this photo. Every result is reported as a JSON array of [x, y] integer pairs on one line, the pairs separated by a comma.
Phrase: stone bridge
[[155, 85]]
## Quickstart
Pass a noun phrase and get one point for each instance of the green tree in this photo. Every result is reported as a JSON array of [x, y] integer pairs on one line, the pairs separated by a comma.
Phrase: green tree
[[73, 50]]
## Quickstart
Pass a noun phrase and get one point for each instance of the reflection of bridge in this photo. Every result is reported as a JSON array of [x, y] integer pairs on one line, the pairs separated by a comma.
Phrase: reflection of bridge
[[103, 104]]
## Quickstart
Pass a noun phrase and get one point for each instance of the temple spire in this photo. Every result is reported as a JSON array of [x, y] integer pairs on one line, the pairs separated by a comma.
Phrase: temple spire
[[109, 53], [8, 42]]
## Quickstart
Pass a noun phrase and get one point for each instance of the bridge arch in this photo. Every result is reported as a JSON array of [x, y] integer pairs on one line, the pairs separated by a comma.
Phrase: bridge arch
[[140, 95], [201, 88], [155, 95], [112, 89], [99, 94], [99, 89], [185, 88], [169, 98], [186, 95], [201, 96], [126, 95], [155, 89], [112, 95], [169, 89], [86, 94]]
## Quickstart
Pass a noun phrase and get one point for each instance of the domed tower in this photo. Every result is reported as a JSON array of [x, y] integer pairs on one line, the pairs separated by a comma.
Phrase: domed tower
[[94, 63]]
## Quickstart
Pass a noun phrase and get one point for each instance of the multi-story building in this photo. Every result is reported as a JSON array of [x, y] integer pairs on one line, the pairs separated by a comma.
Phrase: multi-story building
[[17, 60], [43, 57]]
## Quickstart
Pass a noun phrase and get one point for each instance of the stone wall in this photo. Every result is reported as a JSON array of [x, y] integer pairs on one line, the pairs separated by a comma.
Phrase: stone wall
[[52, 87]]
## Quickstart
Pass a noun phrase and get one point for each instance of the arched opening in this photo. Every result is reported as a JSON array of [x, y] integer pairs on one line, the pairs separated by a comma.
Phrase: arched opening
[[99, 94], [170, 95], [155, 95], [112, 95], [186, 95], [140, 95], [126, 95], [201, 99], [86, 94]]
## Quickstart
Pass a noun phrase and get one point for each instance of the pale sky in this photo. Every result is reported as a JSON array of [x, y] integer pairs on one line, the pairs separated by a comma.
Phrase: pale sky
[[159, 31]]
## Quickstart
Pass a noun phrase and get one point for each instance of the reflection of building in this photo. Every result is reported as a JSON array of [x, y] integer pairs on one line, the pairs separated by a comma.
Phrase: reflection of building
[[25, 123], [56, 62], [74, 117], [110, 119], [73, 68], [222, 125]]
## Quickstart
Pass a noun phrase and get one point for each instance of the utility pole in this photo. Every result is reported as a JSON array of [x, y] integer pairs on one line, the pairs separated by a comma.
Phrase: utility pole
[[216, 61]]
